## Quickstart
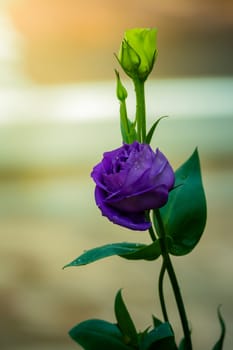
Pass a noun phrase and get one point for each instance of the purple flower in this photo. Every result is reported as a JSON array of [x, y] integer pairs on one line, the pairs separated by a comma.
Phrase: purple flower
[[131, 180]]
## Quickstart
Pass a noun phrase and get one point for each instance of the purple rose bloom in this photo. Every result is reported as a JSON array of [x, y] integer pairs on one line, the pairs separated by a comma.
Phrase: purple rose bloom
[[130, 180]]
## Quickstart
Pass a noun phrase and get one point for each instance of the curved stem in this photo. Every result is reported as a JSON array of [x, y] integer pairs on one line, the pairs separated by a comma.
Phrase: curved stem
[[161, 294], [151, 231], [173, 280], [140, 109], [161, 275]]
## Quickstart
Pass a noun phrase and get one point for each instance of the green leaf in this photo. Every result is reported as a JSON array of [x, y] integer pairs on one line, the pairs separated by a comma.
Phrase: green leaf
[[130, 251], [152, 129], [124, 321], [219, 344], [128, 131], [98, 334], [156, 321], [184, 215], [160, 338], [146, 252], [182, 345], [132, 132]]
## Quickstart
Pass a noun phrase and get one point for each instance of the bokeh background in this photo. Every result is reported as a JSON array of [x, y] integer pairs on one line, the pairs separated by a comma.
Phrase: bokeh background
[[58, 113]]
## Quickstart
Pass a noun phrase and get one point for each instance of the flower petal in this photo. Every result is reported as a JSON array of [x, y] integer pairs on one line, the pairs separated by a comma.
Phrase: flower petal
[[141, 202], [134, 221]]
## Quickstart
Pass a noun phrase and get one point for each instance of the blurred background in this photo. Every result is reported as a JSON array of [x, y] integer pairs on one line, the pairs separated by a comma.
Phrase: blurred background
[[58, 113]]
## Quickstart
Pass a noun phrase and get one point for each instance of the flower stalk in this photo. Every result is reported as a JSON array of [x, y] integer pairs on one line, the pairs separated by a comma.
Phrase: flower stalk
[[133, 181], [174, 282], [140, 109], [161, 294]]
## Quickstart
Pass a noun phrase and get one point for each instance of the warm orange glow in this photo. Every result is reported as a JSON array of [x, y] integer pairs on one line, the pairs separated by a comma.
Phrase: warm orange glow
[[71, 20], [71, 40]]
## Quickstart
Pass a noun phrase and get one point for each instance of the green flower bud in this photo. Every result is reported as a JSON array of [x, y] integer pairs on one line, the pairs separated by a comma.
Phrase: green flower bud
[[138, 52], [121, 91]]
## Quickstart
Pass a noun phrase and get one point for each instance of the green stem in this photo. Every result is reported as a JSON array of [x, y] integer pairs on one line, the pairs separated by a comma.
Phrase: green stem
[[161, 294], [124, 117], [173, 280], [140, 109], [124, 120], [161, 275], [151, 231]]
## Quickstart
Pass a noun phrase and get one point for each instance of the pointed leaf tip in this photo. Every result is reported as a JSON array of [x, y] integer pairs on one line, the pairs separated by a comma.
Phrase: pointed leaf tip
[[219, 344], [105, 251], [152, 129], [124, 321]]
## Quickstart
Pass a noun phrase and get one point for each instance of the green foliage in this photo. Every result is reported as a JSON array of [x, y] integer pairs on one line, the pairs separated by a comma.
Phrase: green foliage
[[219, 344], [152, 129], [131, 251], [159, 338], [184, 215], [156, 321], [98, 334], [148, 252], [105, 251], [124, 321], [182, 345], [128, 130]]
